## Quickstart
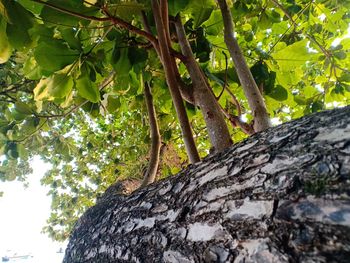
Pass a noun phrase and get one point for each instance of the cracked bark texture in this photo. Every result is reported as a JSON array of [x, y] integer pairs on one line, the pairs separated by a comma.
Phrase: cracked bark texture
[[280, 196]]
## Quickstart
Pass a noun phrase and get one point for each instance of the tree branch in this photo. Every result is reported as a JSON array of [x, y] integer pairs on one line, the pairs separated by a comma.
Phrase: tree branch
[[152, 168], [169, 68], [204, 97], [251, 91], [72, 13]]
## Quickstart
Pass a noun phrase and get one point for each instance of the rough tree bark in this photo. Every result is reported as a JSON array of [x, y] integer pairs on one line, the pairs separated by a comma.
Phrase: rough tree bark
[[280, 196], [255, 99]]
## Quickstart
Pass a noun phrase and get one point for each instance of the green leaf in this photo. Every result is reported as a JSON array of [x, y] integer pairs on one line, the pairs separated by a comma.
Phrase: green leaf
[[345, 77], [20, 21], [22, 152], [300, 100], [55, 87], [201, 15], [52, 17], [120, 60], [200, 11], [31, 69], [22, 107], [113, 103], [126, 10], [12, 152], [167, 135], [294, 55], [278, 93], [137, 55], [317, 106], [87, 89], [340, 55], [175, 6], [3, 12], [70, 35], [214, 24], [54, 55], [5, 47], [32, 6]]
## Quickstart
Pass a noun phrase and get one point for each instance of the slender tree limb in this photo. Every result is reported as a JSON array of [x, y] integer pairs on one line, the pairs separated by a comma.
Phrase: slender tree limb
[[153, 164], [173, 85], [203, 96], [185, 90], [285, 12], [225, 87], [235, 100], [165, 18], [255, 99]]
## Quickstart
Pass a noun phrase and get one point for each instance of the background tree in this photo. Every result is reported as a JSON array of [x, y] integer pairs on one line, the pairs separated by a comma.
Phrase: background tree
[[73, 73]]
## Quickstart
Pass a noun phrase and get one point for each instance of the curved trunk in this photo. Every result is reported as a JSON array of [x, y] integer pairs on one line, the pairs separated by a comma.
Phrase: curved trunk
[[251, 90], [152, 168], [203, 96], [279, 196]]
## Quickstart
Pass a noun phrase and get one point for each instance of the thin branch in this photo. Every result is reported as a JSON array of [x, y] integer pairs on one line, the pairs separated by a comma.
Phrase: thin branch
[[285, 12], [225, 80], [236, 121], [251, 91], [282, 36]]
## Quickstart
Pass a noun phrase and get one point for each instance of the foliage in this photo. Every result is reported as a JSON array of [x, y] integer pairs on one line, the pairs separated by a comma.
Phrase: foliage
[[72, 84]]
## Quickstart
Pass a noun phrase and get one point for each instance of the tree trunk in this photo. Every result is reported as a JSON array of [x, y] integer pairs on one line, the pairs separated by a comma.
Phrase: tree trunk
[[280, 196], [255, 99], [152, 168], [219, 135]]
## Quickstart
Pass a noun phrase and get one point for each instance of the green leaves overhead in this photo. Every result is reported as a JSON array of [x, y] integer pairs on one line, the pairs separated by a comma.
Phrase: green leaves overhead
[[54, 55]]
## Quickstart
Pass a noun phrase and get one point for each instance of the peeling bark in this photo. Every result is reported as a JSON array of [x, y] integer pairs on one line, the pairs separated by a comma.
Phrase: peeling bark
[[151, 171], [255, 99], [282, 195]]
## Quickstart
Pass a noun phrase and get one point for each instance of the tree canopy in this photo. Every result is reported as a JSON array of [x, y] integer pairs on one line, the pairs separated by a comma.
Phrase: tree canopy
[[74, 79]]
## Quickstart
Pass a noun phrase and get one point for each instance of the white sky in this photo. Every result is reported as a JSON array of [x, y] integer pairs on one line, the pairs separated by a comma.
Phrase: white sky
[[23, 213]]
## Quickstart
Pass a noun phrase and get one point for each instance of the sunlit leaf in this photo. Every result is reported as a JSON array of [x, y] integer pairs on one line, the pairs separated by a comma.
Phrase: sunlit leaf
[[5, 47], [54, 87]]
